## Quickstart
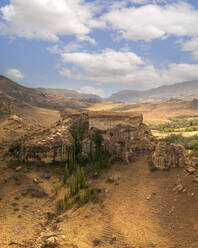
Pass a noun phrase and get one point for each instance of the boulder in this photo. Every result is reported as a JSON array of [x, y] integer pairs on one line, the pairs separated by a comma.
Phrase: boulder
[[166, 156]]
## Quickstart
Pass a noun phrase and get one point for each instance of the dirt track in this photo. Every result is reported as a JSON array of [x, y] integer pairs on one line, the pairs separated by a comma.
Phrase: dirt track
[[140, 210]]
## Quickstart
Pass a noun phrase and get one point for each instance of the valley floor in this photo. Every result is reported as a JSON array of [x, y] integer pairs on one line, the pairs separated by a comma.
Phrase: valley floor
[[139, 210]]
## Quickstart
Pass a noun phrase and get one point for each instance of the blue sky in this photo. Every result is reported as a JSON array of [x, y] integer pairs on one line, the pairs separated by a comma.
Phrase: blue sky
[[99, 46]]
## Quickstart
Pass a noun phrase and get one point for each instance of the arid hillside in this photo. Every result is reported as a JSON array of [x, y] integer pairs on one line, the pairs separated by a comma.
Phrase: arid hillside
[[24, 110], [15, 97], [134, 191], [88, 174]]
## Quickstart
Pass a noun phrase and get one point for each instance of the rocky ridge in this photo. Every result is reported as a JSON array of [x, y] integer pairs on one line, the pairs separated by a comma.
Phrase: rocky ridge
[[124, 136]]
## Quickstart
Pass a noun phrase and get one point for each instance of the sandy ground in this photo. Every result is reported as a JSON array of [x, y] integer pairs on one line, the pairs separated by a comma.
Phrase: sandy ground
[[139, 210]]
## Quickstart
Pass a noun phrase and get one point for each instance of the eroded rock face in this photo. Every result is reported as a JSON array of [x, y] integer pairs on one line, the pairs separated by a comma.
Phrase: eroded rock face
[[127, 141], [51, 144], [108, 120], [124, 135], [47, 146], [168, 156]]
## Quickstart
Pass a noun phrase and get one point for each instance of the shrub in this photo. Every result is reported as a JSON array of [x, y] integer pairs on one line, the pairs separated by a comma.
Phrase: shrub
[[83, 197], [73, 185], [66, 174], [70, 203], [81, 178], [62, 204]]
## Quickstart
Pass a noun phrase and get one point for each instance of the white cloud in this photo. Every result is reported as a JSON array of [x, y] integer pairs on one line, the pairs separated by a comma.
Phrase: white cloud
[[47, 19], [54, 49], [149, 1], [59, 49], [92, 90], [111, 66], [191, 46], [153, 21], [86, 38], [14, 74], [51, 19], [107, 66], [139, 1], [72, 46]]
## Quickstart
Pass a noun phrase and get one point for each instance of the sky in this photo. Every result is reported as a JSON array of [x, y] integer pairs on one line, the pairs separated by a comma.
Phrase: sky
[[99, 46]]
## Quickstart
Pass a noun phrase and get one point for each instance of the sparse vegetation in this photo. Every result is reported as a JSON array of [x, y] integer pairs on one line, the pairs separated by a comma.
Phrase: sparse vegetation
[[190, 143], [126, 107], [66, 174], [177, 125], [76, 166], [98, 152]]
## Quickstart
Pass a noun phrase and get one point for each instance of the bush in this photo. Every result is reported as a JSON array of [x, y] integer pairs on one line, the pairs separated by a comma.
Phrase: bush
[[70, 203], [73, 185], [66, 174], [77, 182], [62, 204], [81, 179], [83, 199]]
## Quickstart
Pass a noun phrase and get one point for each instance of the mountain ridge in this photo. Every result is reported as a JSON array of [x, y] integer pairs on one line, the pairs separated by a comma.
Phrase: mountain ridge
[[15, 97], [184, 89]]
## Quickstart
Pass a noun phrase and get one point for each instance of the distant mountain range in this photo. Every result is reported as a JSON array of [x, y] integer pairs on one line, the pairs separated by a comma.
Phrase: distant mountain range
[[14, 96], [69, 93], [179, 90]]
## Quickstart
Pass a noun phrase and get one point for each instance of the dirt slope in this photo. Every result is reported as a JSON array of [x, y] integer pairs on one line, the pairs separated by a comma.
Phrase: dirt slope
[[139, 210]]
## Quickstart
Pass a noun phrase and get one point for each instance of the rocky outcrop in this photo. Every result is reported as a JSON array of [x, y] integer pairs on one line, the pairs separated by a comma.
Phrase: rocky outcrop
[[168, 156], [51, 144], [123, 135], [128, 141], [108, 120], [47, 146]]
